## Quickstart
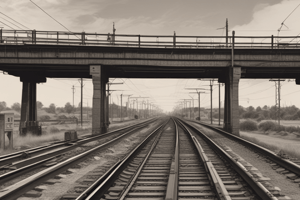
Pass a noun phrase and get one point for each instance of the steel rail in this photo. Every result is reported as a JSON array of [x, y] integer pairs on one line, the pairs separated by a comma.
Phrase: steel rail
[[31, 164], [172, 186], [287, 164], [98, 188], [16, 190], [222, 192], [17, 156], [257, 187]]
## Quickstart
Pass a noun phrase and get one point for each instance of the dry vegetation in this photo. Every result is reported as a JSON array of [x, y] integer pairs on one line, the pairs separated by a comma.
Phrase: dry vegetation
[[53, 133]]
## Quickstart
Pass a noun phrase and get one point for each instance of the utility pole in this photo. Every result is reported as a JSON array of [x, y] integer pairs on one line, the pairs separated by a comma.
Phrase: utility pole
[[198, 92], [277, 97], [121, 117], [211, 112], [193, 107], [73, 90], [108, 96], [81, 101], [219, 104], [226, 27]]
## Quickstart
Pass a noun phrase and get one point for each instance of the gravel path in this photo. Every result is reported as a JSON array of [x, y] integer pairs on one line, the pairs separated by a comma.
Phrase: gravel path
[[287, 187]]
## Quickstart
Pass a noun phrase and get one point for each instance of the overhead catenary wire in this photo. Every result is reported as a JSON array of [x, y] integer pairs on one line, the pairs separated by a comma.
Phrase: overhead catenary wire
[[53, 18], [7, 25], [14, 20], [282, 23]]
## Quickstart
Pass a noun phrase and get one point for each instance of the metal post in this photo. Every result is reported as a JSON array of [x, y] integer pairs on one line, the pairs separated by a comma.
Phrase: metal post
[[57, 37], [121, 109], [174, 40], [33, 37], [139, 41], [1, 36], [83, 38], [232, 50], [272, 41]]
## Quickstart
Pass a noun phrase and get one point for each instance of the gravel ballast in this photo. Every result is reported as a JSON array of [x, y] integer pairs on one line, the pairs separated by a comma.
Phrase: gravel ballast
[[287, 186]]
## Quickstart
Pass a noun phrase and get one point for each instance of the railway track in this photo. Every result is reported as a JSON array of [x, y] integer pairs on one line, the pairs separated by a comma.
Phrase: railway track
[[177, 165], [19, 188], [291, 166]]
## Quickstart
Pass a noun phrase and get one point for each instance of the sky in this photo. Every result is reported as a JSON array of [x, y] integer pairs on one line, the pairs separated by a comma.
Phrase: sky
[[155, 17]]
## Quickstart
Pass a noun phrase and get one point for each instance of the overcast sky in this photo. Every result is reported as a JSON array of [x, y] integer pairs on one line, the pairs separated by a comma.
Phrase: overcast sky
[[156, 17]]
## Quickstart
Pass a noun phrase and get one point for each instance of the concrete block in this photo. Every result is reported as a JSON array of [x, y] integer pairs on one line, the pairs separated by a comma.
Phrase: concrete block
[[280, 170], [297, 180], [33, 193], [51, 181], [41, 187], [71, 136], [291, 176]]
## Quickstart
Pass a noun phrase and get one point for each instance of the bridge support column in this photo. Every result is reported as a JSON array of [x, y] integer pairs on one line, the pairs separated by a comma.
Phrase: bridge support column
[[28, 121], [231, 107], [99, 124]]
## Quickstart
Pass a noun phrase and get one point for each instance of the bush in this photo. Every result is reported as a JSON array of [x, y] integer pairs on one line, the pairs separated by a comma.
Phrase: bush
[[53, 129], [260, 118], [267, 126], [248, 125], [197, 118], [45, 117], [292, 129], [136, 117], [62, 117]]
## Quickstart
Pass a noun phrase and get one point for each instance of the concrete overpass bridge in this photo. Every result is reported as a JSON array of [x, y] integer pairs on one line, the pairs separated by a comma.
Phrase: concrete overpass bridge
[[35, 55]]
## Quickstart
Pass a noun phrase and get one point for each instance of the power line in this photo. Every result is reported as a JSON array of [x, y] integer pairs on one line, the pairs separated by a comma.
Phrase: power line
[[12, 23], [53, 18], [282, 23], [14, 20], [7, 25]]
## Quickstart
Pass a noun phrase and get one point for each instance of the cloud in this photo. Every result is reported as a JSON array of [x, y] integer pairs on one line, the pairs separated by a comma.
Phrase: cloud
[[267, 20]]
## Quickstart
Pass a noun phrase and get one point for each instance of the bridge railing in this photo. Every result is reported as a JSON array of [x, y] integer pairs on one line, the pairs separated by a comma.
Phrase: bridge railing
[[26, 37]]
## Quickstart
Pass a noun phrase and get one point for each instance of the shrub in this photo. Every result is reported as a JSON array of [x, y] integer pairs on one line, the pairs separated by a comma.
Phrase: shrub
[[136, 117], [248, 125], [260, 118], [197, 118], [267, 126], [53, 129], [45, 117], [62, 117], [292, 129]]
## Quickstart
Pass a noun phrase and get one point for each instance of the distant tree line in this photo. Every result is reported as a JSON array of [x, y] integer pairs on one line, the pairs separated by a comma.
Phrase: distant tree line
[[68, 108], [266, 112]]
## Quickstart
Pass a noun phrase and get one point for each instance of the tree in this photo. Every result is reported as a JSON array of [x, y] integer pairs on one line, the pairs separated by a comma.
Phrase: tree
[[39, 105], [258, 109], [16, 106], [69, 108], [51, 108], [251, 109], [2, 105]]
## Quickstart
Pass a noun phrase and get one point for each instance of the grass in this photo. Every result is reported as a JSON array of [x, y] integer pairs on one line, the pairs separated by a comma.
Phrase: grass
[[289, 147]]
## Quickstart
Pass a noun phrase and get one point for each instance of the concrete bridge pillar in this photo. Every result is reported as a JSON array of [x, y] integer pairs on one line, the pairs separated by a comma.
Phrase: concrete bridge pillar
[[99, 121], [231, 107], [28, 105]]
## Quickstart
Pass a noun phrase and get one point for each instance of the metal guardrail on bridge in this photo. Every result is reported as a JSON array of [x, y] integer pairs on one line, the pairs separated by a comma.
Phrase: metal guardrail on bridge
[[23, 37]]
